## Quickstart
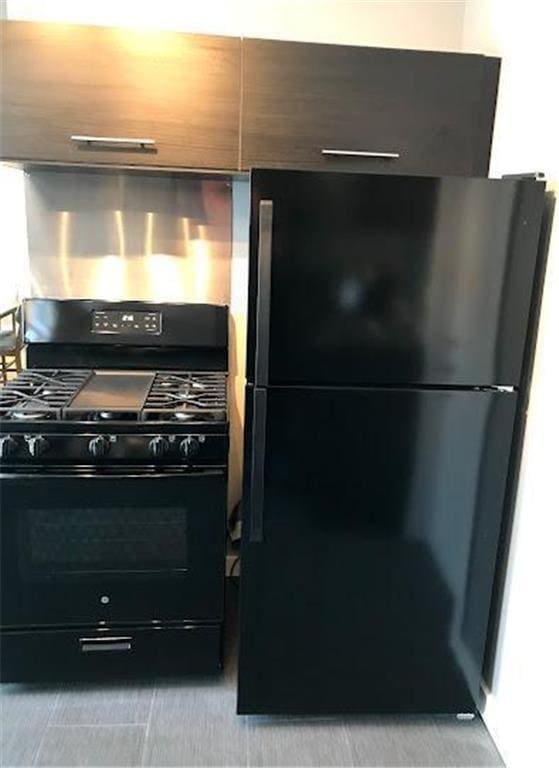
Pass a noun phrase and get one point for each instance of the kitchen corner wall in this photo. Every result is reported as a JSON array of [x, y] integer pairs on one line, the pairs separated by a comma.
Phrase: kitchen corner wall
[[14, 279], [237, 328], [521, 705]]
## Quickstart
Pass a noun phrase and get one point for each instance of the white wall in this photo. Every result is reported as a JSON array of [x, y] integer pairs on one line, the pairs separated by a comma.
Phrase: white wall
[[13, 238], [429, 24], [238, 325], [521, 709]]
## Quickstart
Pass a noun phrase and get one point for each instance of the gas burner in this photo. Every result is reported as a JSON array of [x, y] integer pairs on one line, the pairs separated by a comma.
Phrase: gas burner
[[30, 415], [107, 415], [193, 415], [181, 416]]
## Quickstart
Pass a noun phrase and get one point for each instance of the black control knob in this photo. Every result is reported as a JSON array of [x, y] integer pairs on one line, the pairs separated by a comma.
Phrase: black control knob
[[8, 446], [158, 447], [189, 447], [38, 446], [99, 446]]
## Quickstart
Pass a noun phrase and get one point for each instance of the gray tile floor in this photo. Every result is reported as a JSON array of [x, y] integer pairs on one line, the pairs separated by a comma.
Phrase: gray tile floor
[[193, 723]]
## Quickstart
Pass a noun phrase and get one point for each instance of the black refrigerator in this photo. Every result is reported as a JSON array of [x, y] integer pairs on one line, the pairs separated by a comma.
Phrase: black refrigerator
[[388, 319]]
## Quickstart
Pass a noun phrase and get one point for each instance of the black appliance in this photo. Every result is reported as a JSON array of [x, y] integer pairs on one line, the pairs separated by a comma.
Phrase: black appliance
[[113, 470], [388, 319]]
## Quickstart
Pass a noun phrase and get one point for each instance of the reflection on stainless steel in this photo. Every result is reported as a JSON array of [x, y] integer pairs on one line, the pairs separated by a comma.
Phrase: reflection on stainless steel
[[128, 235]]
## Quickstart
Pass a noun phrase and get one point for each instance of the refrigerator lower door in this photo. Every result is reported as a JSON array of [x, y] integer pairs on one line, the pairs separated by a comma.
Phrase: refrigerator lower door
[[370, 535]]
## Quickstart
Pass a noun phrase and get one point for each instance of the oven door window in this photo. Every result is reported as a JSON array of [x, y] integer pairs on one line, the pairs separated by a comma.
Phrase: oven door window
[[116, 549], [110, 540]]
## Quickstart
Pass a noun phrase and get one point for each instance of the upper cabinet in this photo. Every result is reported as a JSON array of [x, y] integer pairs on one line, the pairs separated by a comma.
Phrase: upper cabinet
[[71, 94], [366, 109], [174, 97]]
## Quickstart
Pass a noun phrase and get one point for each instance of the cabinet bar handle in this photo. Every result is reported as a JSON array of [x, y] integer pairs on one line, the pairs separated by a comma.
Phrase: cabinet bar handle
[[114, 141], [100, 644], [359, 153]]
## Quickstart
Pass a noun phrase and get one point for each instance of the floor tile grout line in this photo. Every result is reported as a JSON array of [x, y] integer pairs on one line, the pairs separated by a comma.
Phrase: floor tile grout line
[[47, 726], [86, 723], [148, 725], [98, 725], [247, 755]]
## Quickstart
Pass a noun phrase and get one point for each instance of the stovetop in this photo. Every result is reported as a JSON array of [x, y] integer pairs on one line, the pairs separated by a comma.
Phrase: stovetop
[[105, 418], [109, 396]]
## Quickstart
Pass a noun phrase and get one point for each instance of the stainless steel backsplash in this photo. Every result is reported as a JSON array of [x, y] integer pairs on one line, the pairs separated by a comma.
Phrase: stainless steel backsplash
[[121, 235]]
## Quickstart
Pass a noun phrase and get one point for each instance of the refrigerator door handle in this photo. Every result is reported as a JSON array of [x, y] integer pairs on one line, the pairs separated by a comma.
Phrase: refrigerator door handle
[[256, 529], [265, 222]]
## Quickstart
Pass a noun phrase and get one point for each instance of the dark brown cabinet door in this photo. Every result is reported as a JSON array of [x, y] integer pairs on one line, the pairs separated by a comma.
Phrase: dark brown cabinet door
[[179, 91], [307, 105]]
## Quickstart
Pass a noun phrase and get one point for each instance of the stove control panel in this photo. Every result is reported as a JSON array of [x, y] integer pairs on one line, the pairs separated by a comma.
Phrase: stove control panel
[[126, 323], [145, 448]]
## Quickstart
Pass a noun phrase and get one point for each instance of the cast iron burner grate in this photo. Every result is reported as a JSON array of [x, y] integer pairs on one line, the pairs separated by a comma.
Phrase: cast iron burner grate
[[110, 396], [187, 397], [40, 394]]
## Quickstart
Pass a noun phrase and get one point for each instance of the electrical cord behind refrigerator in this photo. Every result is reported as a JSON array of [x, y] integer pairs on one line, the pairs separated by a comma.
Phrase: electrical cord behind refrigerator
[[236, 561]]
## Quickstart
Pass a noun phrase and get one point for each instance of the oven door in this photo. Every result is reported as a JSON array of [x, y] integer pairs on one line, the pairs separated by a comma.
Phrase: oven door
[[112, 547]]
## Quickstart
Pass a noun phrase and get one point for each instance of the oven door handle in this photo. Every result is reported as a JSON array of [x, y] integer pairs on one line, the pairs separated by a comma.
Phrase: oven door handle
[[104, 644], [120, 473]]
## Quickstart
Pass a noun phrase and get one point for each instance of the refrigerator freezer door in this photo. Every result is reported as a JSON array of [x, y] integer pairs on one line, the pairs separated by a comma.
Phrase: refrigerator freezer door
[[364, 279], [367, 576]]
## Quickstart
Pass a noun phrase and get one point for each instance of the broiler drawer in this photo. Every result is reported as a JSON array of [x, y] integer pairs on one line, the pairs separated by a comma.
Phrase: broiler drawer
[[91, 654]]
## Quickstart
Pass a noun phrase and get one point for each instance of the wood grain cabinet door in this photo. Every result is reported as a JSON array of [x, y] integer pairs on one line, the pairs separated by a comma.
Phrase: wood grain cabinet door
[[308, 105], [179, 91]]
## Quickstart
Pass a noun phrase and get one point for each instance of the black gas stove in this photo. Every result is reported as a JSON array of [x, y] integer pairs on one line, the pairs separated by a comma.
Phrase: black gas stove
[[113, 470]]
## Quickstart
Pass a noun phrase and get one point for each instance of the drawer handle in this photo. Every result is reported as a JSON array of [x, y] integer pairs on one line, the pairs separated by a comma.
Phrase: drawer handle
[[360, 153], [99, 644], [115, 141]]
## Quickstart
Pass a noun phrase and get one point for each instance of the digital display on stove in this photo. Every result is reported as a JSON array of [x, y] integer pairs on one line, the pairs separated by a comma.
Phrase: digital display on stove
[[124, 322]]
